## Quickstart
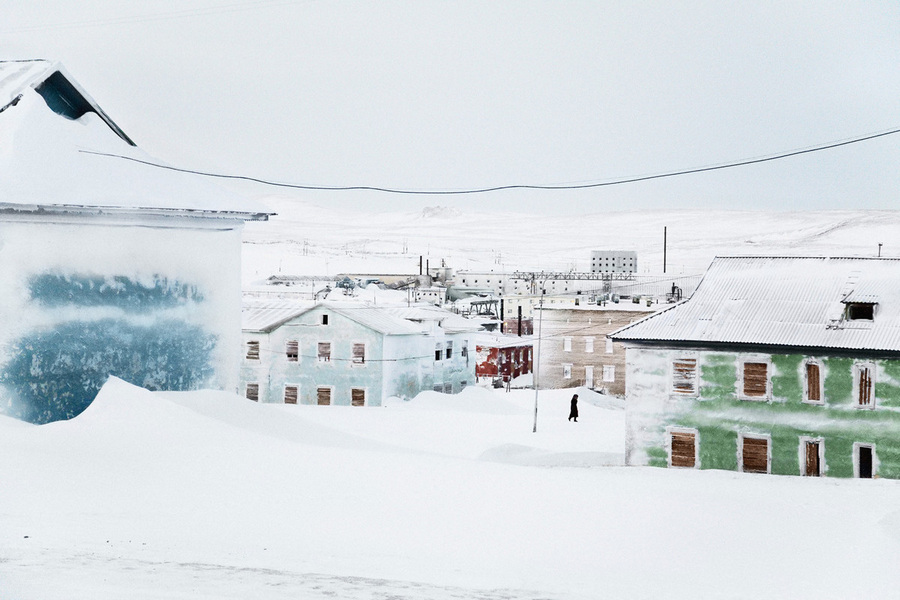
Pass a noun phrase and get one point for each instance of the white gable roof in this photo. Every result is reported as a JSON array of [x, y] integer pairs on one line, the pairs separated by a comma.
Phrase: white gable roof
[[784, 301], [55, 147]]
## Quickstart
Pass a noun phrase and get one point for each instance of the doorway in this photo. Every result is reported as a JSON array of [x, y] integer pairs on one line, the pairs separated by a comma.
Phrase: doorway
[[813, 464], [864, 461]]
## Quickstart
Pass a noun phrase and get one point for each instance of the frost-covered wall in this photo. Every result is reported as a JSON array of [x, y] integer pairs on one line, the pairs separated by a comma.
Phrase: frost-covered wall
[[720, 417], [155, 302]]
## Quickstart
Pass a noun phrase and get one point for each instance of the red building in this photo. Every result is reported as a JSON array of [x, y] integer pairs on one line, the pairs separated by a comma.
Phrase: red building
[[503, 358]]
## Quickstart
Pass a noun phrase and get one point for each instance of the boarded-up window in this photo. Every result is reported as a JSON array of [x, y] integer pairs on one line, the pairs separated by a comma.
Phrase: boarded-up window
[[359, 353], [448, 388], [290, 394], [324, 351], [684, 376], [253, 392], [323, 396], [813, 383], [357, 397], [292, 350], [253, 350], [813, 466], [683, 449], [755, 455], [756, 379], [864, 383]]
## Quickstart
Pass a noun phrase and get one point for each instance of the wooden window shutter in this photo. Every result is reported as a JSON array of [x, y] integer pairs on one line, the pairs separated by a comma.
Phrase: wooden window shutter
[[683, 449], [357, 397], [290, 394], [253, 392], [253, 350], [865, 386], [323, 396], [292, 350], [813, 383], [756, 377], [684, 376], [755, 455], [359, 353]]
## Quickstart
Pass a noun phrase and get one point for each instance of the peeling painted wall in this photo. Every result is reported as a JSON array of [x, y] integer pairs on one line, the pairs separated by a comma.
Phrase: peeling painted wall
[[82, 299], [719, 416]]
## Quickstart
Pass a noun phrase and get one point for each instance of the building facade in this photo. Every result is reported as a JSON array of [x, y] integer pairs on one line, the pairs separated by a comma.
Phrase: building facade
[[503, 357], [351, 354], [614, 261], [776, 365], [574, 349]]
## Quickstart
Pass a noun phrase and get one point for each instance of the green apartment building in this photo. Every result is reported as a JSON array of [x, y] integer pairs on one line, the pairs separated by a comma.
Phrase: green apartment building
[[781, 365]]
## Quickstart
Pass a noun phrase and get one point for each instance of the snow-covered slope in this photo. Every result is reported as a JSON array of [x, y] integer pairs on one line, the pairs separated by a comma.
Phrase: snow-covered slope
[[206, 495]]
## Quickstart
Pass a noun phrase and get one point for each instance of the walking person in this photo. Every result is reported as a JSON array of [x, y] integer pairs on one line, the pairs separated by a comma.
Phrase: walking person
[[573, 412]]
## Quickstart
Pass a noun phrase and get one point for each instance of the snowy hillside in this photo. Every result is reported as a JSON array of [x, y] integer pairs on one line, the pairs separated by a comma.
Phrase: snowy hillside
[[206, 495], [308, 239]]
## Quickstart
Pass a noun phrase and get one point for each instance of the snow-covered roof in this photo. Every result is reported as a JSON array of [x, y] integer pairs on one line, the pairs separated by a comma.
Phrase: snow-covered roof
[[493, 340], [60, 152], [784, 301], [427, 313], [265, 316]]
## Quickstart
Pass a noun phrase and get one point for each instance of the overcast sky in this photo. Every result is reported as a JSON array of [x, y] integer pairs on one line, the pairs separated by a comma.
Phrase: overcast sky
[[448, 95]]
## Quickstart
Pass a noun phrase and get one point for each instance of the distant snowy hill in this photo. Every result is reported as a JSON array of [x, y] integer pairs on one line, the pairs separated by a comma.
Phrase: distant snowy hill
[[308, 239]]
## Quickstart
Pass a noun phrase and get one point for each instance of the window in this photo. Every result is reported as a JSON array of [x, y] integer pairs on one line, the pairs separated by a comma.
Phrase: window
[[323, 396], [567, 371], [290, 394], [588, 344], [812, 392], [755, 380], [588, 376], [609, 373], [567, 344], [860, 311], [253, 350], [864, 384], [754, 454], [684, 376], [465, 351], [449, 350], [864, 461], [609, 345], [359, 354], [253, 392], [324, 319], [448, 388], [357, 397], [324, 352], [812, 456], [437, 352], [292, 350], [683, 448]]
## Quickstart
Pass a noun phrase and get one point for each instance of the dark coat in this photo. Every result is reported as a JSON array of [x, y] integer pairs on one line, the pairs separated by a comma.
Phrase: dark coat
[[573, 412]]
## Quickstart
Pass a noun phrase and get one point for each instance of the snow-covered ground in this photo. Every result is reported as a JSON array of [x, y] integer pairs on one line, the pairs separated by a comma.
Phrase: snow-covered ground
[[207, 495]]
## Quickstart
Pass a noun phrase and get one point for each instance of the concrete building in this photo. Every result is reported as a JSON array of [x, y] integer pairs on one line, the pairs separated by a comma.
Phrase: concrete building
[[614, 261]]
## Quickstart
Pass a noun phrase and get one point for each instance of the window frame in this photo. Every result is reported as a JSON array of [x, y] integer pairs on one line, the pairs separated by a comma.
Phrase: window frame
[[589, 344], [327, 357], [609, 345], [449, 349], [875, 461], [330, 389], [567, 370], [682, 431], [740, 451], [694, 392], [287, 350], [857, 374], [609, 369], [296, 388], [801, 452], [567, 343], [805, 375], [365, 396], [766, 360], [247, 387], [253, 350], [356, 361]]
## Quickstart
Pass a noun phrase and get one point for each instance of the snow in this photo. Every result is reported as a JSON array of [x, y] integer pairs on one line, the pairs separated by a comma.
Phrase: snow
[[207, 495]]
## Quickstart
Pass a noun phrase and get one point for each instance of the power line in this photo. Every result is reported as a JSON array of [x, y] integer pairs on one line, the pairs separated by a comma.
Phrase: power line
[[565, 186]]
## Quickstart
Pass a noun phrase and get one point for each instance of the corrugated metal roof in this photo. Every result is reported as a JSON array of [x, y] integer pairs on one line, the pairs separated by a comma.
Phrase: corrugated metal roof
[[16, 75], [789, 301], [265, 315], [377, 318], [426, 313]]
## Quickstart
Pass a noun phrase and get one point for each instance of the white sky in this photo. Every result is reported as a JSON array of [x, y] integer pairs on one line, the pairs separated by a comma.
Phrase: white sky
[[425, 94]]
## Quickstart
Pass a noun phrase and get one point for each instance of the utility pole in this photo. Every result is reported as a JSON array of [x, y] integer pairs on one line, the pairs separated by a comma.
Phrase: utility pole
[[537, 362], [664, 249]]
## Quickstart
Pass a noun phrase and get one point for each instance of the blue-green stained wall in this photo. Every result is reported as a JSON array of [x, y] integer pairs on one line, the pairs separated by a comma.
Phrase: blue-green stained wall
[[102, 326], [719, 416]]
